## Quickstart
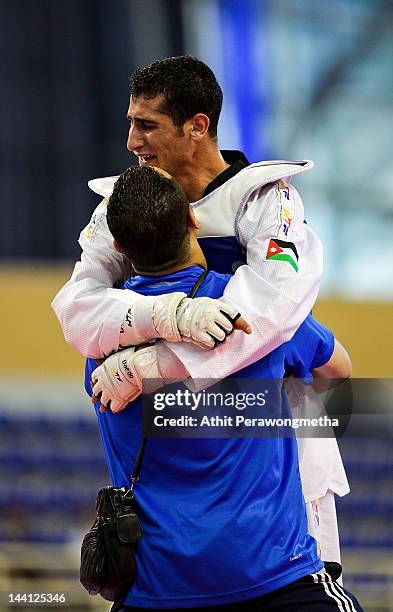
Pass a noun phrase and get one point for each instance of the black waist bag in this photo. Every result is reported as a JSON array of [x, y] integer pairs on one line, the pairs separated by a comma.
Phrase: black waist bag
[[108, 549]]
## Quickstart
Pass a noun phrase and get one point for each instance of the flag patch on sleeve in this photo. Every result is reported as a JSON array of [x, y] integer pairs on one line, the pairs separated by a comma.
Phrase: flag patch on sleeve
[[282, 250]]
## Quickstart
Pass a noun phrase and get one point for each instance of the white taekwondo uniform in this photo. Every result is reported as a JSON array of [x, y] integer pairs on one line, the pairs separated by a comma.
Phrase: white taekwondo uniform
[[239, 220]]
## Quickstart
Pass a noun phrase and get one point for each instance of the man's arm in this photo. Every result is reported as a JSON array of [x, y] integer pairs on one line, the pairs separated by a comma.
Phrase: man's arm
[[334, 372], [338, 366], [275, 294]]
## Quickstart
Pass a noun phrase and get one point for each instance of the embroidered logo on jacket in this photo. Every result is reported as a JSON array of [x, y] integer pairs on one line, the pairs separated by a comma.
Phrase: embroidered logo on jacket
[[280, 250]]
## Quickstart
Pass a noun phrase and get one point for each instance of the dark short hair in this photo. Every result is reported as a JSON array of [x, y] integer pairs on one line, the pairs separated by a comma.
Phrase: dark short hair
[[187, 85], [148, 216]]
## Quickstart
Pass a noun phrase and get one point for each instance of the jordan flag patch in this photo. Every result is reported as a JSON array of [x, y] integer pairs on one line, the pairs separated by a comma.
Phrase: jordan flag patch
[[283, 251]]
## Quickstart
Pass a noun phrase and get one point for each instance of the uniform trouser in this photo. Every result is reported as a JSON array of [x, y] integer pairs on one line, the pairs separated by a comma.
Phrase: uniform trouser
[[313, 593], [322, 525]]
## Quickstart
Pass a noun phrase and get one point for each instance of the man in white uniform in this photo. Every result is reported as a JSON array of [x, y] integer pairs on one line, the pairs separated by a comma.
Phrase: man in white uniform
[[251, 223]]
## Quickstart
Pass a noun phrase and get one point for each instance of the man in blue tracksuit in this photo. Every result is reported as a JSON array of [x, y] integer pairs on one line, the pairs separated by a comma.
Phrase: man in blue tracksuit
[[224, 521]]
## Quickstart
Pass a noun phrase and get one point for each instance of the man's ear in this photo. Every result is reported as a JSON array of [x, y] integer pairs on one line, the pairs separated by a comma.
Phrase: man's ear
[[199, 126], [192, 221], [117, 246]]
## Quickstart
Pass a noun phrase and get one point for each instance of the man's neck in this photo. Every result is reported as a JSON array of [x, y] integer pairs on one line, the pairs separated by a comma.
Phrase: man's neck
[[206, 165], [194, 257], [172, 269]]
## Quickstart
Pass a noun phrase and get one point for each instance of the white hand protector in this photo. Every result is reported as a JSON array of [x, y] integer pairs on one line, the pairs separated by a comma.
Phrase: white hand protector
[[175, 318], [151, 317], [205, 321], [164, 315], [120, 379]]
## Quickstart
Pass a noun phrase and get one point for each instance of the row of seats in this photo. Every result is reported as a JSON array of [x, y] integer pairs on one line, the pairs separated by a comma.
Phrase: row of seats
[[51, 469]]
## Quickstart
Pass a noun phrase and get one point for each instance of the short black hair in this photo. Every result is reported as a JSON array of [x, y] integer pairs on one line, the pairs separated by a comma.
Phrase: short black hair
[[148, 216], [188, 86]]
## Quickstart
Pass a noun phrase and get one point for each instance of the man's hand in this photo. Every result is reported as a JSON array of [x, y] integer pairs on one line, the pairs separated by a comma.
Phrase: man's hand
[[206, 322], [119, 379], [174, 317]]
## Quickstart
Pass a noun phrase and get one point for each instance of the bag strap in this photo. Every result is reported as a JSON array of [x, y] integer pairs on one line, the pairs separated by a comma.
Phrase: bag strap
[[138, 461], [137, 467], [197, 284]]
